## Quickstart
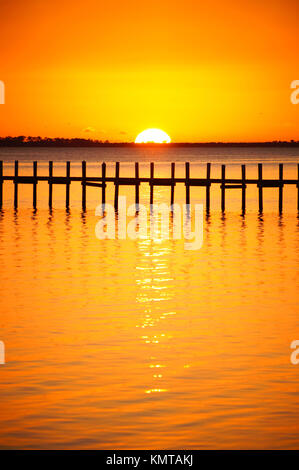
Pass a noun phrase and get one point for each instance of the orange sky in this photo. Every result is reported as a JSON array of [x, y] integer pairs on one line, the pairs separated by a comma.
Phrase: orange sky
[[201, 71]]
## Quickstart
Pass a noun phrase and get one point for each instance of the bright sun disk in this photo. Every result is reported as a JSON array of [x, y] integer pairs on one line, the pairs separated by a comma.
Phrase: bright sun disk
[[153, 135]]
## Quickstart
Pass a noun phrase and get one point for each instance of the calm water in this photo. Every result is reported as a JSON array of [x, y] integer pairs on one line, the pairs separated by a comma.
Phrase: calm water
[[120, 344]]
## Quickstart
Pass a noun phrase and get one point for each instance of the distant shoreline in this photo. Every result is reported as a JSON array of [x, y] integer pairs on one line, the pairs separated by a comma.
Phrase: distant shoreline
[[22, 141]]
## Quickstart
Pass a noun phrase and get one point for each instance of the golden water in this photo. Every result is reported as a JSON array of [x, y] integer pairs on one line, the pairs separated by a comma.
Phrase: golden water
[[120, 344]]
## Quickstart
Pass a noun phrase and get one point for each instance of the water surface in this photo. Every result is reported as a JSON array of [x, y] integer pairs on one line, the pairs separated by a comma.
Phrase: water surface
[[119, 344]]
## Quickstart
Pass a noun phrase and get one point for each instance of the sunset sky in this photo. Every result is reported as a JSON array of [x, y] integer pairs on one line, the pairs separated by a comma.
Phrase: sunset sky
[[201, 71]]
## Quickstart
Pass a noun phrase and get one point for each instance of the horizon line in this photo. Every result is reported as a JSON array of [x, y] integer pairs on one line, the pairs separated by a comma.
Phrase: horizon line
[[22, 140]]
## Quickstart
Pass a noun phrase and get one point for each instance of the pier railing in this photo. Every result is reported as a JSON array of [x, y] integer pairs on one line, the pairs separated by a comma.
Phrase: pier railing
[[135, 181]]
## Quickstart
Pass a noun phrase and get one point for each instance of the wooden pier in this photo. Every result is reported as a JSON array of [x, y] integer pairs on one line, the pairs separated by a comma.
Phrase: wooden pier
[[102, 180]]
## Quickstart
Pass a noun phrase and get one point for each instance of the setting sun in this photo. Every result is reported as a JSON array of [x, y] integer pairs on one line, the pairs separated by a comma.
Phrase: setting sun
[[153, 135]]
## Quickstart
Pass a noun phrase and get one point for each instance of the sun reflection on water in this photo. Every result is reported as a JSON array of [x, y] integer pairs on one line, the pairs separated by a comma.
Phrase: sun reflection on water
[[154, 283]]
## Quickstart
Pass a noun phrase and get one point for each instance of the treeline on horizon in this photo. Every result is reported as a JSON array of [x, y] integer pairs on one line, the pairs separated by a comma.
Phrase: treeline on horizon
[[23, 141]]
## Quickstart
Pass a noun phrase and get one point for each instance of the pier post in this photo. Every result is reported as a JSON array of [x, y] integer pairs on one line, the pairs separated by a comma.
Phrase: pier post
[[84, 185], [172, 183], [280, 187], [208, 187], [68, 174], [243, 189], [116, 187], [1, 184], [34, 184], [152, 170], [103, 183], [137, 183], [50, 184], [223, 188], [16, 184], [260, 185], [187, 167], [298, 187]]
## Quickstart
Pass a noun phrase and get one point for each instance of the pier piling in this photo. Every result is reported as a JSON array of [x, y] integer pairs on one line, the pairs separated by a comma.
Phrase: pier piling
[[260, 186], [152, 172], [16, 184], [208, 187], [222, 188], [187, 182], [103, 183], [280, 188], [50, 184], [116, 186], [137, 183], [172, 183], [34, 184], [243, 189], [83, 182], [68, 183]]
